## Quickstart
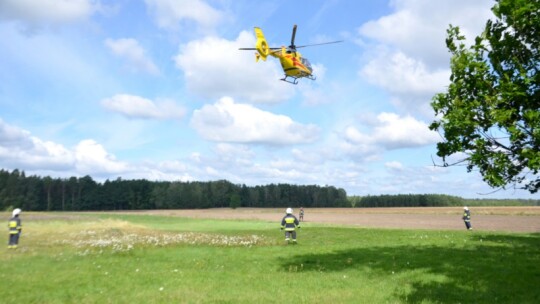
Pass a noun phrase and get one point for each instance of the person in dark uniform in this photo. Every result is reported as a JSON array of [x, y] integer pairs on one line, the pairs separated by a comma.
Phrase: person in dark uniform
[[290, 223], [467, 217], [15, 229]]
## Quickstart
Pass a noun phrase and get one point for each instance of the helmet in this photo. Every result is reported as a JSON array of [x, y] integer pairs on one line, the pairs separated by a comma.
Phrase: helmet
[[289, 211], [16, 211], [466, 208]]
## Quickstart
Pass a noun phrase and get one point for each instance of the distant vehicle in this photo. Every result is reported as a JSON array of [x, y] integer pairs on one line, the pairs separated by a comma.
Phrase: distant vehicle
[[293, 64]]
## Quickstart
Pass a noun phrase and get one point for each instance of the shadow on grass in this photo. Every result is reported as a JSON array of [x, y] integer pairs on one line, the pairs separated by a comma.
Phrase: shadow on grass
[[491, 269], [532, 240]]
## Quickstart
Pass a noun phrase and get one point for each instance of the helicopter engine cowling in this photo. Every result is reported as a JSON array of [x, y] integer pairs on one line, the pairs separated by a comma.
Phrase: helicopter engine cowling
[[261, 45]]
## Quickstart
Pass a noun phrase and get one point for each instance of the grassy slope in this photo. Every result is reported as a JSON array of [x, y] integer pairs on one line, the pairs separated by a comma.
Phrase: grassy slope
[[330, 265]]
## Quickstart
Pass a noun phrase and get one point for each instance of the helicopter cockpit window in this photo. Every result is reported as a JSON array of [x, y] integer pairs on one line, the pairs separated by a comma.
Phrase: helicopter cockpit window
[[306, 63]]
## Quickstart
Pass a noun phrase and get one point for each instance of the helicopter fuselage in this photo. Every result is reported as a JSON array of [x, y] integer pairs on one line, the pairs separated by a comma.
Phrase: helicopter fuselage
[[293, 64]]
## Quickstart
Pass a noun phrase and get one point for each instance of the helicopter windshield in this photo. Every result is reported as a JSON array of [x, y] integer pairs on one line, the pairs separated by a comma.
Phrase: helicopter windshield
[[306, 63]]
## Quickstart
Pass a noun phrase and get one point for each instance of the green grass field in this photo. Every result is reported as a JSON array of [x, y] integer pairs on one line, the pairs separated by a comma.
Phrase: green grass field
[[157, 259]]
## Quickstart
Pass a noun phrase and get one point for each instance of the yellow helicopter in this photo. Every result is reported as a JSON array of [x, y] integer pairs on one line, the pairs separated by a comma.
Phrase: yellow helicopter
[[292, 62]]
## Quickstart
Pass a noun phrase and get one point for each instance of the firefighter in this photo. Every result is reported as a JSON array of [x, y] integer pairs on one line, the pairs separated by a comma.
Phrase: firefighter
[[290, 223], [301, 217], [15, 229], [467, 217]]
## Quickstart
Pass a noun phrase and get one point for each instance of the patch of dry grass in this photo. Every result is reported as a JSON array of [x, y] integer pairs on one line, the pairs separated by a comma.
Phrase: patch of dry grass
[[96, 236]]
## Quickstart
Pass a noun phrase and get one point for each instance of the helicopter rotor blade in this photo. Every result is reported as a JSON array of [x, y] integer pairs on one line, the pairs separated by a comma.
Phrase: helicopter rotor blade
[[252, 49], [331, 42], [293, 36]]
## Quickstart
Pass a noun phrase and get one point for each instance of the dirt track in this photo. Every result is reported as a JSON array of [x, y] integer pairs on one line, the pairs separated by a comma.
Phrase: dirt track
[[513, 219]]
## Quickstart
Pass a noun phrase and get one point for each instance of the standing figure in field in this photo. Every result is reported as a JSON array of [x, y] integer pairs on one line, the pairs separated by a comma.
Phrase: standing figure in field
[[290, 223], [301, 216], [467, 217], [15, 229]]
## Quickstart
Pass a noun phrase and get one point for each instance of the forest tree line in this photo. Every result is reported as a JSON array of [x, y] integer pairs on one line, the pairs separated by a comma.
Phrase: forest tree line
[[35, 193], [408, 200], [432, 200]]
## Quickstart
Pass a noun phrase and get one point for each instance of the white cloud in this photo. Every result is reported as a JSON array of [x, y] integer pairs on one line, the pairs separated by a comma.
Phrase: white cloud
[[36, 13], [92, 158], [356, 144], [319, 70], [138, 107], [19, 148], [134, 53], [162, 173], [227, 121], [394, 165], [396, 132], [168, 14], [400, 74], [418, 27], [388, 132], [10, 135], [410, 59], [410, 82], [214, 67]]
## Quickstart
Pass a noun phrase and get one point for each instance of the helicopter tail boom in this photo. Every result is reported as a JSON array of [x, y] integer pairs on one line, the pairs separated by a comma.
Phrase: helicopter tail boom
[[261, 46]]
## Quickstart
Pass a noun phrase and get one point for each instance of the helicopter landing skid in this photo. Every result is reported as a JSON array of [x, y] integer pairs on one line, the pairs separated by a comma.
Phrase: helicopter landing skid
[[294, 80]]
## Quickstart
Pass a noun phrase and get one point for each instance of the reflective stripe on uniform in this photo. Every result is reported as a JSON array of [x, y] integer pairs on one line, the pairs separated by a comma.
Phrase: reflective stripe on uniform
[[14, 227], [289, 222]]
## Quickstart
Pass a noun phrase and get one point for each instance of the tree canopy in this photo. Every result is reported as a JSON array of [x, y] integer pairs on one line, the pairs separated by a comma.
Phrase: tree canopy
[[489, 117]]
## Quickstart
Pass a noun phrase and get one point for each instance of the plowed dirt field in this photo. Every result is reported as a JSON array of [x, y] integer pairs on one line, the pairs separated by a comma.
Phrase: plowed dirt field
[[511, 219]]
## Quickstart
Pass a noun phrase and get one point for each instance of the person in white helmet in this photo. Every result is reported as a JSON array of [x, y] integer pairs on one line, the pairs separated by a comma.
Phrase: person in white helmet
[[467, 217], [15, 229], [290, 223]]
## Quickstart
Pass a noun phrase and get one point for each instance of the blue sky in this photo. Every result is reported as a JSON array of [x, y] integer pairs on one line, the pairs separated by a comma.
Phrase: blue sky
[[157, 89]]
